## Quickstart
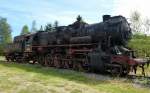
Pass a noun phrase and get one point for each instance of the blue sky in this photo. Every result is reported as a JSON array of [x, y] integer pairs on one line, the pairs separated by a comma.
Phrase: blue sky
[[21, 12]]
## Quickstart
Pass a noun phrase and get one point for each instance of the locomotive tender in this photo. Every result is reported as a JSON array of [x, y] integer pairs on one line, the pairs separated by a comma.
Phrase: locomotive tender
[[97, 47]]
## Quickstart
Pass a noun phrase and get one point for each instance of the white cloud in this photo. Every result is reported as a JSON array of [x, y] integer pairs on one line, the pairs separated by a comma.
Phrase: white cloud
[[125, 7]]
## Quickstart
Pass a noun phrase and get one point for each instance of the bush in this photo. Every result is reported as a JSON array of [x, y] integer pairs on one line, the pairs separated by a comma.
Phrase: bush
[[1, 50], [141, 44]]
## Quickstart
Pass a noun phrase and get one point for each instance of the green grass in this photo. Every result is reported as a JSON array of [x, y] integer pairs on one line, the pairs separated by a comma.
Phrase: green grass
[[27, 78]]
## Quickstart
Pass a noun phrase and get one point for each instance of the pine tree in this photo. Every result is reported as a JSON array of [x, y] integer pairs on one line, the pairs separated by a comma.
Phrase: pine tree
[[5, 34], [25, 30], [41, 29], [56, 24], [33, 28], [48, 27], [5, 31]]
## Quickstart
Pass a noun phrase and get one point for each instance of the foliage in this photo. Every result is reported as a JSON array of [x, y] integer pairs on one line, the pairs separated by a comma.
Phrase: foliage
[[146, 24], [41, 28], [5, 34], [5, 31], [49, 27], [25, 30], [139, 24], [135, 21], [140, 41], [141, 44], [56, 24], [33, 27]]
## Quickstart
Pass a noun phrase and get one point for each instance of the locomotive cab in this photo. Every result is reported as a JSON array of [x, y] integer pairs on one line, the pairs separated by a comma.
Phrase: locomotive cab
[[27, 45]]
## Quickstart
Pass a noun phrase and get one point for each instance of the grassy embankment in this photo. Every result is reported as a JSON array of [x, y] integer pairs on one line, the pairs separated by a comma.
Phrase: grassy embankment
[[27, 78]]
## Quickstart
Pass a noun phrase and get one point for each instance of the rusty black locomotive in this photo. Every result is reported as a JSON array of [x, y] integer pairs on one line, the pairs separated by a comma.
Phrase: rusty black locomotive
[[97, 47]]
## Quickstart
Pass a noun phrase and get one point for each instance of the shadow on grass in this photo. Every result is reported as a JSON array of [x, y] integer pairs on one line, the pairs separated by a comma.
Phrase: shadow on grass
[[61, 73]]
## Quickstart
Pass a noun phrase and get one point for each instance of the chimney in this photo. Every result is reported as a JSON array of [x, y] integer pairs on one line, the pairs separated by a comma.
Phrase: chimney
[[106, 17]]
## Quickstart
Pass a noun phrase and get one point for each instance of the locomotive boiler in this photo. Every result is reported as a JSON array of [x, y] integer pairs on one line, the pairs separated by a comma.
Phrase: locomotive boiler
[[97, 47]]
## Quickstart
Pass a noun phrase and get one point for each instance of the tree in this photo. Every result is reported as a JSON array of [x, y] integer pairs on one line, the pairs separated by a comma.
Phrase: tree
[[146, 24], [48, 27], [56, 24], [41, 29], [136, 22], [33, 27], [25, 30], [5, 31], [5, 34]]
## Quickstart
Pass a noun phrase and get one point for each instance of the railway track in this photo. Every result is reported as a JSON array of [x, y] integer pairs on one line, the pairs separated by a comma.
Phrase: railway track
[[138, 77]]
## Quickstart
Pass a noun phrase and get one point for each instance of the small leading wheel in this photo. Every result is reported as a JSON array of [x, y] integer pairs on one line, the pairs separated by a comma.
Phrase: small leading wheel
[[126, 71], [116, 70]]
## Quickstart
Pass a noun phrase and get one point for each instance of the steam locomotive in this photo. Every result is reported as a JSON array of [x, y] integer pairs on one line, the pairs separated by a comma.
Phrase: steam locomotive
[[99, 47]]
